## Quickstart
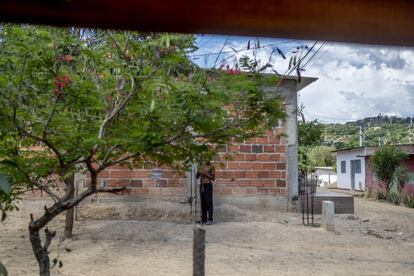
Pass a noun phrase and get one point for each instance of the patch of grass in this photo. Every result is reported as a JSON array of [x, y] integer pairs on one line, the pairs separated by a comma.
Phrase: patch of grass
[[394, 198], [409, 201], [381, 195]]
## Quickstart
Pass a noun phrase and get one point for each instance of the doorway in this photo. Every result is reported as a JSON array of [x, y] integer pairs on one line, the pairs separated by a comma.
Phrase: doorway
[[355, 168]]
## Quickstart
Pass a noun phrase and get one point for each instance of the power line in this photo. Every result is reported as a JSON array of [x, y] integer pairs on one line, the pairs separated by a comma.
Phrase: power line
[[301, 59], [204, 43], [314, 54], [221, 51], [320, 56], [242, 49], [326, 117], [320, 120], [287, 72]]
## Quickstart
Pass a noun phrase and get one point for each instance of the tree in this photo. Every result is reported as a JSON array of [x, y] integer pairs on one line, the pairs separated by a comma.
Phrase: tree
[[321, 156], [84, 100], [385, 163], [309, 136], [310, 133]]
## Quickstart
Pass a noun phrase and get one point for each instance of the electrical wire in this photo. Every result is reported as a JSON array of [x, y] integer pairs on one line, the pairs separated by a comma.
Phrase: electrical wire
[[314, 54], [320, 56], [221, 51], [242, 49], [326, 117], [301, 59], [204, 43]]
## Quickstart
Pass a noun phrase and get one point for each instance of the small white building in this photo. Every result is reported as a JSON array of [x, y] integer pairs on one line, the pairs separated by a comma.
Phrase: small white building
[[354, 169], [326, 176], [350, 167]]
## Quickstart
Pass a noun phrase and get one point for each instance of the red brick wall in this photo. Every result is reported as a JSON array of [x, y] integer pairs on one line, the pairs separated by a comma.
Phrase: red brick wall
[[257, 167], [139, 182]]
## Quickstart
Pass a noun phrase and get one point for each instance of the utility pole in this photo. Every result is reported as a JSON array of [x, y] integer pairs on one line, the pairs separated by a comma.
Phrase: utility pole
[[410, 131], [361, 136]]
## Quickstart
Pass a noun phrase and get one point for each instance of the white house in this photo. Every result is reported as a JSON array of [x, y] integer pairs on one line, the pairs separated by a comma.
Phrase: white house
[[354, 172], [326, 176], [350, 167]]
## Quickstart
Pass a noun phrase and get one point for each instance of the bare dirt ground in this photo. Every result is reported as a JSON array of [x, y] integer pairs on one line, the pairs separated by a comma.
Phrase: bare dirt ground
[[377, 240]]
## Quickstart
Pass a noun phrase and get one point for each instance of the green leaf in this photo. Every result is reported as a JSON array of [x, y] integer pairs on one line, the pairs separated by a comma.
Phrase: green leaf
[[4, 184], [3, 270]]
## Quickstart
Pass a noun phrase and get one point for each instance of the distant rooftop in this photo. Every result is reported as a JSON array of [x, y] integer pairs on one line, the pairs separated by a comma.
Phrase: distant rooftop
[[369, 150]]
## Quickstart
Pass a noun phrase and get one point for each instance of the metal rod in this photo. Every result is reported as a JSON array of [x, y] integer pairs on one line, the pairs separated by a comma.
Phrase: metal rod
[[312, 195], [302, 198], [307, 201], [76, 180]]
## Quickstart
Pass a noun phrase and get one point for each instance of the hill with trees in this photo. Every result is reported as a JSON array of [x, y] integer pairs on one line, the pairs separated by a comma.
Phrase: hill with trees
[[317, 141], [375, 130]]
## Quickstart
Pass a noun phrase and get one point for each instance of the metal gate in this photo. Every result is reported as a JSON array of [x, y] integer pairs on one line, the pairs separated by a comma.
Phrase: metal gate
[[307, 188]]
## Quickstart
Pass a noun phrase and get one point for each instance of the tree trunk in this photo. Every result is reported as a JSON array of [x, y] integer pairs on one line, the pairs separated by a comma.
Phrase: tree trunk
[[68, 232], [66, 203], [40, 252]]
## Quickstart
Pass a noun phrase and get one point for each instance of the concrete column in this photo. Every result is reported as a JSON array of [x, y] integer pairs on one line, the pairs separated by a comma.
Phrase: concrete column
[[292, 141], [288, 90], [328, 215]]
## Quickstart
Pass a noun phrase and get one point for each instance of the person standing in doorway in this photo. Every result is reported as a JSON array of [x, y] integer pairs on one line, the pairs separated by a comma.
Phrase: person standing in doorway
[[207, 175]]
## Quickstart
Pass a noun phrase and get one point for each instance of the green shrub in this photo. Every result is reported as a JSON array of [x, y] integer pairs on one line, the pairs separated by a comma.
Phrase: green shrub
[[409, 200], [386, 162], [394, 198]]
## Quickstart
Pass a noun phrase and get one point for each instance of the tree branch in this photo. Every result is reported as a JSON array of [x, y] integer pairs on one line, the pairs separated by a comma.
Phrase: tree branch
[[49, 236], [117, 161], [54, 196], [44, 141], [109, 116], [108, 152], [123, 53], [113, 190], [52, 113], [227, 126]]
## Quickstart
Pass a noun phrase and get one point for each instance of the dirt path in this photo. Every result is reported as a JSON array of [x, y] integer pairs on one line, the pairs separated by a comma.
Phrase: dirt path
[[378, 240]]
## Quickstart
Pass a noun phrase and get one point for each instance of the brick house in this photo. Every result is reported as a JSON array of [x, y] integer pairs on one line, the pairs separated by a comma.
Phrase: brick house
[[262, 166]]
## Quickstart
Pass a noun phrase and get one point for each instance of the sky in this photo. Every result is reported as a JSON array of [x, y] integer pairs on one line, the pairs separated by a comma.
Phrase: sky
[[354, 81]]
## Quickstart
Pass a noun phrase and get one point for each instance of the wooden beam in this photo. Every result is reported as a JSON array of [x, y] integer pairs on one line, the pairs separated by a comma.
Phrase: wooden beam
[[388, 22]]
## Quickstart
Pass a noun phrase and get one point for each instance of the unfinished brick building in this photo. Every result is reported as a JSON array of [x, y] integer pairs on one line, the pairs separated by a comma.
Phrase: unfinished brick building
[[262, 166]]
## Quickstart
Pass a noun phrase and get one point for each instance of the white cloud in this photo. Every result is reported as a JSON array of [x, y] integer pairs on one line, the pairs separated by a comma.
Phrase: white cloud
[[354, 82], [361, 81]]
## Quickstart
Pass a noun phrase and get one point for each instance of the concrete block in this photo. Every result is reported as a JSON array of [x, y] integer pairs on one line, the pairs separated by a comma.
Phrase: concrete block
[[328, 215]]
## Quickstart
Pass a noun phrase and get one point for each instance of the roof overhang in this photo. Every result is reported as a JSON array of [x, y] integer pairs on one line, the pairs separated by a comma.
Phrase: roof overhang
[[369, 151], [388, 22]]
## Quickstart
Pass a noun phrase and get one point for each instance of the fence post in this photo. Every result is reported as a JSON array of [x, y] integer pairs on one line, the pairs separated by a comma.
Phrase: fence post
[[328, 215], [199, 237]]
